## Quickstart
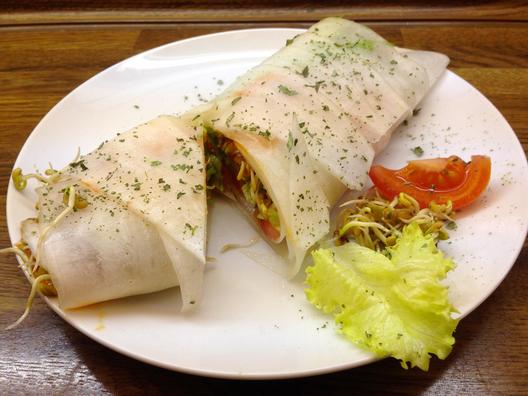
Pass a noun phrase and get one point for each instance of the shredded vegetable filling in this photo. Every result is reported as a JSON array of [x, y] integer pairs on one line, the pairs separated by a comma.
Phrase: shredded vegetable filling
[[376, 223], [39, 277], [228, 172]]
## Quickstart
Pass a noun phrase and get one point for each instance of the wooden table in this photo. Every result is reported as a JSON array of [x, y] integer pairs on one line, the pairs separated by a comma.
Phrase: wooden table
[[45, 54]]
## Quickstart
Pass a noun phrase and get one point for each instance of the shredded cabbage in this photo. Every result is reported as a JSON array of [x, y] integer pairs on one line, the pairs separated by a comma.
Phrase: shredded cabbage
[[393, 304]]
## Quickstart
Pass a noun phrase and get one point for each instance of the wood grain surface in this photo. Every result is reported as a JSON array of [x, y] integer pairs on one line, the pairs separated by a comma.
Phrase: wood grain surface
[[23, 12], [40, 62]]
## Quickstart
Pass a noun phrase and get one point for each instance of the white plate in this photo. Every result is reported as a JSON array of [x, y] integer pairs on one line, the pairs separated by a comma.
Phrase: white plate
[[253, 323]]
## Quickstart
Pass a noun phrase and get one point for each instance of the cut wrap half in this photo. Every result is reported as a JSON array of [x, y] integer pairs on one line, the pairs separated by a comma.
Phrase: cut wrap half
[[138, 219], [291, 135]]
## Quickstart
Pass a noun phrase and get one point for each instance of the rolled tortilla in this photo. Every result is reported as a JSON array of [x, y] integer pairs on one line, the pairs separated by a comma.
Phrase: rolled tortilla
[[329, 100], [144, 226], [308, 121]]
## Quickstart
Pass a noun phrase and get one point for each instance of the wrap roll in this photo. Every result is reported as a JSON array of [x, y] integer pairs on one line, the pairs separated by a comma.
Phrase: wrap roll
[[140, 225], [309, 119], [300, 128]]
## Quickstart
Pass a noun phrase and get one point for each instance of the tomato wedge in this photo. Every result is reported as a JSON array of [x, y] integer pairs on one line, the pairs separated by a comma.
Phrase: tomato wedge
[[268, 229], [435, 173], [439, 180]]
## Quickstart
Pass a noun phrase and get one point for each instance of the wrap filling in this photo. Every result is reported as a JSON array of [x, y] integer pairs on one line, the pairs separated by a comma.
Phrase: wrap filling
[[229, 173]]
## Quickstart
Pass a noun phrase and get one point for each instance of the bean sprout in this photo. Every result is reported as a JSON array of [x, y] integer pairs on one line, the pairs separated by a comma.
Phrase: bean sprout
[[376, 223]]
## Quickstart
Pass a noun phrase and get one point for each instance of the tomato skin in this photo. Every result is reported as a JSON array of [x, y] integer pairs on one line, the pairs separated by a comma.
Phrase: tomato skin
[[268, 229], [472, 179], [437, 172]]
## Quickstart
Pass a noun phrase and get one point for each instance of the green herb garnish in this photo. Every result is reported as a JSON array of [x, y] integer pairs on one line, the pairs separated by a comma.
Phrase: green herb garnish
[[287, 91]]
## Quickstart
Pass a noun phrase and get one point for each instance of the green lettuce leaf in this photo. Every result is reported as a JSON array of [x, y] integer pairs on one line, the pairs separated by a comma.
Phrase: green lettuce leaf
[[392, 304]]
